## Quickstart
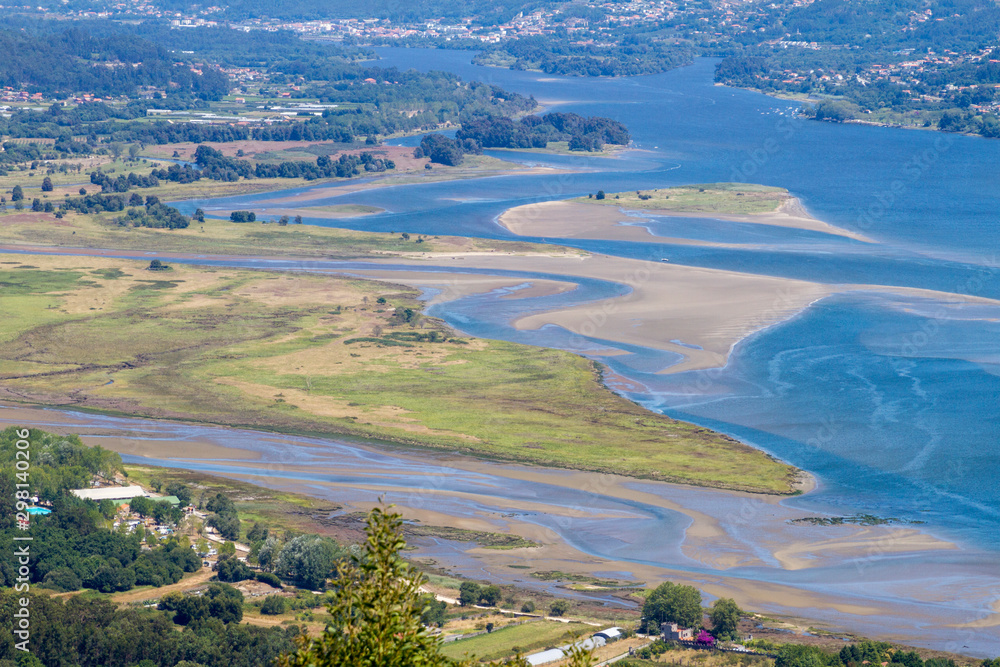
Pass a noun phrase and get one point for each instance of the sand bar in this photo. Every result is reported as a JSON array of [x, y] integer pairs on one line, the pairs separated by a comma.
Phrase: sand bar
[[453, 286], [695, 312], [403, 178], [570, 219], [703, 308]]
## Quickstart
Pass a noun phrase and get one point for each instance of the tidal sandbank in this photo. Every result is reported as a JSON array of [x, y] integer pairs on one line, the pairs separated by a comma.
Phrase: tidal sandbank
[[874, 580], [698, 313], [591, 220]]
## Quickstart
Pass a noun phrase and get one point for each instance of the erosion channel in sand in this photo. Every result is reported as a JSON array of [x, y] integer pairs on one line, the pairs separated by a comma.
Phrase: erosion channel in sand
[[694, 312], [727, 543]]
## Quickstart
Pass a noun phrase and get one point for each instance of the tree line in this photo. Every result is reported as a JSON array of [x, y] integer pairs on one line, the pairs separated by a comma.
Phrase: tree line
[[582, 133]]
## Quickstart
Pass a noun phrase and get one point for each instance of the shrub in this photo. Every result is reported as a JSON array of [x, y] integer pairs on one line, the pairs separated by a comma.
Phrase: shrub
[[273, 605], [62, 579], [243, 216], [559, 607], [269, 578]]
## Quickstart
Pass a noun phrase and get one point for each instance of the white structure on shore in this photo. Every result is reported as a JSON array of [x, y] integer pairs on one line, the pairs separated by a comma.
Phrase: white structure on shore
[[109, 493]]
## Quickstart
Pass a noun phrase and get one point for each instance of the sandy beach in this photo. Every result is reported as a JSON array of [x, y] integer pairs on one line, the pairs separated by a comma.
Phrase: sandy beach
[[451, 286], [707, 310], [569, 219]]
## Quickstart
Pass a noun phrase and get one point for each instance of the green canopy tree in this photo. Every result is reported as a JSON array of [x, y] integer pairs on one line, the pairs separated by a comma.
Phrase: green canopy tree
[[725, 617], [674, 603]]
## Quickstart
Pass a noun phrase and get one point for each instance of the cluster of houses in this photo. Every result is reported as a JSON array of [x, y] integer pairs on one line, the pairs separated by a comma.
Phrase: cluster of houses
[[122, 497], [627, 13], [9, 94]]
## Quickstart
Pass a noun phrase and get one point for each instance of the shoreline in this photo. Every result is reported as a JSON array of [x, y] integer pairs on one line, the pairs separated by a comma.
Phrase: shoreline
[[331, 189], [711, 537]]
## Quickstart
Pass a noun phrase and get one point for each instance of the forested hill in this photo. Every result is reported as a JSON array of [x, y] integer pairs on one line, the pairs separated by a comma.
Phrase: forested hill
[[566, 56], [74, 60], [395, 10], [938, 25]]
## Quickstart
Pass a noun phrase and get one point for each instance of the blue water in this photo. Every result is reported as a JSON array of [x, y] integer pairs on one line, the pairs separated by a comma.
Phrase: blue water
[[890, 401]]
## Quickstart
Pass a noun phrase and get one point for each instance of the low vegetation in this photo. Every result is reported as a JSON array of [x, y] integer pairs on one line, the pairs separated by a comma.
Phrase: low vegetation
[[222, 238], [526, 638], [718, 198], [270, 351]]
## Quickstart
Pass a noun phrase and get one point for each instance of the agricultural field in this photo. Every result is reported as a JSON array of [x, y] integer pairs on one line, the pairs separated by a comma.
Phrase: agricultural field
[[528, 637]]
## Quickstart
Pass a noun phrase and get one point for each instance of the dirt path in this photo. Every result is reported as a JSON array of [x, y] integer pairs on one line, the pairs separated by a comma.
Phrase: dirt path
[[193, 581], [501, 610]]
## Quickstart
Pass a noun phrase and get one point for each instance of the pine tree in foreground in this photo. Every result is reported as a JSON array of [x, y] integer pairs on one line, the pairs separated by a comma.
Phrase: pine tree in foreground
[[375, 614]]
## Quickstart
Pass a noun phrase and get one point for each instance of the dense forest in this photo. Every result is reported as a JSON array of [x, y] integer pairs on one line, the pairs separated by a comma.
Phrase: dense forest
[[485, 131], [74, 61], [582, 133], [632, 56], [94, 632]]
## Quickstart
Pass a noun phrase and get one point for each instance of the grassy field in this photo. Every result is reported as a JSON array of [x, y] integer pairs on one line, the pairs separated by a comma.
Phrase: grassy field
[[221, 237], [70, 182], [315, 354], [731, 198], [527, 638], [77, 176]]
